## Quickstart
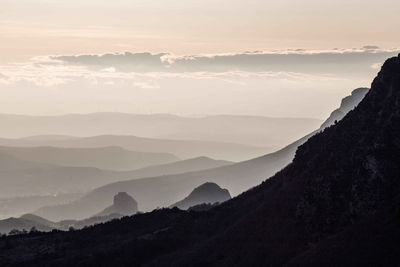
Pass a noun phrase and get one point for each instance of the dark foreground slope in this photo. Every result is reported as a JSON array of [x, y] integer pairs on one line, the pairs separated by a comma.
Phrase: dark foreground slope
[[337, 204]]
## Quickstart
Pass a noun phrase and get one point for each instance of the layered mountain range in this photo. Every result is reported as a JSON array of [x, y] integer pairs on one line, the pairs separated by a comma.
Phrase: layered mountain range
[[163, 190], [336, 204]]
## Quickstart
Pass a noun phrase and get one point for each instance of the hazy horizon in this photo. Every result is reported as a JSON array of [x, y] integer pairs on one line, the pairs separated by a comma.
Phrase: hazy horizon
[[251, 83]]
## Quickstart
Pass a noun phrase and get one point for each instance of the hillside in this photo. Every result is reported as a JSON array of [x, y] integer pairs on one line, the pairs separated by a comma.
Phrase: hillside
[[335, 205]]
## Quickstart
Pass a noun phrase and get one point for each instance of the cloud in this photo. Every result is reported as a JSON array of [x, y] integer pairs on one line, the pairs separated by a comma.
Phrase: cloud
[[138, 62], [50, 85], [146, 70], [370, 47], [336, 61]]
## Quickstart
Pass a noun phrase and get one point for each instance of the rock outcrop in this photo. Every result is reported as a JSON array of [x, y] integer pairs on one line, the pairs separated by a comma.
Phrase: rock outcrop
[[207, 193], [123, 204]]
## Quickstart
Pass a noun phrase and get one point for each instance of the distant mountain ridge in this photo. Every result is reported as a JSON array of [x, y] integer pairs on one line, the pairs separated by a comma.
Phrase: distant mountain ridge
[[184, 149], [255, 131], [107, 158]]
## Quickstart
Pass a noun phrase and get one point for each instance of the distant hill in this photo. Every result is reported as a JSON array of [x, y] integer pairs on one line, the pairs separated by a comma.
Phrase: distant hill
[[183, 149], [162, 191], [108, 158], [28, 222], [254, 131], [207, 193], [25, 222]]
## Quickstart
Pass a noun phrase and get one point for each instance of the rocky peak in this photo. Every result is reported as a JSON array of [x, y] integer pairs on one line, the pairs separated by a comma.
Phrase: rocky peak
[[207, 193], [123, 201], [123, 204]]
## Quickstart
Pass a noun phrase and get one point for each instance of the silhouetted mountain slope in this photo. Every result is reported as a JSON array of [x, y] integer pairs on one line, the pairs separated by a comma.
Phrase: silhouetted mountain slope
[[108, 158], [207, 193], [342, 186], [162, 191], [249, 130]]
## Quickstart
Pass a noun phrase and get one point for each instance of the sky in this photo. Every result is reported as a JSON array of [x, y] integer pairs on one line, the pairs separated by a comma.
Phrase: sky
[[256, 57]]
